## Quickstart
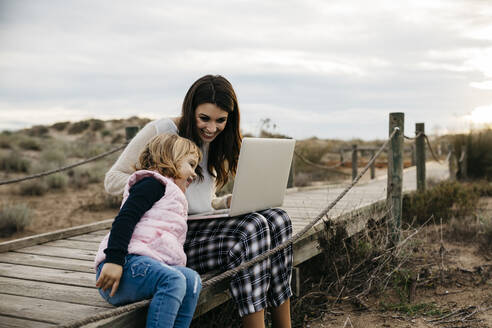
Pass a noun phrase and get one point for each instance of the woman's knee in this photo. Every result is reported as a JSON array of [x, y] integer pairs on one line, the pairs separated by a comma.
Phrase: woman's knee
[[279, 223], [255, 223]]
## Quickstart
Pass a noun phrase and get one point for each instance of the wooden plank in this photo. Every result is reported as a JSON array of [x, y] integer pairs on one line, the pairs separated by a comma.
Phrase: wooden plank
[[70, 253], [102, 232], [10, 322], [49, 236], [76, 244], [134, 319], [44, 310], [48, 275], [47, 261], [52, 291], [88, 237]]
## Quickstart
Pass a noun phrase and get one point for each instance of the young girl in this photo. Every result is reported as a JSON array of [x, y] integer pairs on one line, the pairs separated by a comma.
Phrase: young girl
[[142, 257]]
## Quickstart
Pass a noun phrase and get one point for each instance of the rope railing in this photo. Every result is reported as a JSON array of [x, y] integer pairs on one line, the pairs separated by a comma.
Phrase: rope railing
[[211, 281], [431, 150], [413, 138], [305, 160], [42, 174]]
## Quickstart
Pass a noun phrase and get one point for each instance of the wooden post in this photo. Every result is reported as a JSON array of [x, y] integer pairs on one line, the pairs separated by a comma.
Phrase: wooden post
[[373, 169], [130, 132], [452, 163], [420, 153], [342, 153], [354, 162], [413, 159], [395, 173], [463, 163]]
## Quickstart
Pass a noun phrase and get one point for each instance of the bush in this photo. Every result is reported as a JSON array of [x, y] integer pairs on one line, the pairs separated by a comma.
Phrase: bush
[[60, 126], [479, 153], [112, 201], [97, 125], [14, 162], [106, 133], [81, 176], [53, 157], [5, 142], [118, 138], [79, 127], [38, 131], [35, 187], [14, 218], [56, 181], [29, 144], [446, 200]]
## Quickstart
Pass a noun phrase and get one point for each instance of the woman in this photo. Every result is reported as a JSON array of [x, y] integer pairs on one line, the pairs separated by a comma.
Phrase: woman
[[210, 117]]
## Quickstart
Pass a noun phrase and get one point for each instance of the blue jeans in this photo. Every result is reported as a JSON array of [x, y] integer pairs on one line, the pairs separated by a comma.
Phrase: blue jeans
[[174, 290]]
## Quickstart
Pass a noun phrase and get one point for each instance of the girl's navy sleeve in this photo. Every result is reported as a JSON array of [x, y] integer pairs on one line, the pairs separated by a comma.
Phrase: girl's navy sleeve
[[142, 197]]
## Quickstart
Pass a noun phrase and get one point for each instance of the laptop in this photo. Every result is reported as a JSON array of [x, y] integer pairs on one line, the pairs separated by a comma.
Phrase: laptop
[[261, 178]]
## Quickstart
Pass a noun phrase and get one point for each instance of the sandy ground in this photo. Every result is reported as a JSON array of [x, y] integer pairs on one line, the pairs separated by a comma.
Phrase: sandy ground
[[59, 209], [455, 281]]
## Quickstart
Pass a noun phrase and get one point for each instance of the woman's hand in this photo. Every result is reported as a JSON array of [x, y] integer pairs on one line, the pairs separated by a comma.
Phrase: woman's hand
[[110, 277]]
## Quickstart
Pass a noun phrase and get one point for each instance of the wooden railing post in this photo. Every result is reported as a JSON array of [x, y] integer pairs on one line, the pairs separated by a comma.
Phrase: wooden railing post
[[413, 156], [395, 173], [420, 153], [463, 163], [130, 132], [373, 169], [452, 163], [354, 162]]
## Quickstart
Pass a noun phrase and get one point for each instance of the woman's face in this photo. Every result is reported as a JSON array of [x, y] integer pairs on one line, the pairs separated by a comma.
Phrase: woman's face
[[210, 120]]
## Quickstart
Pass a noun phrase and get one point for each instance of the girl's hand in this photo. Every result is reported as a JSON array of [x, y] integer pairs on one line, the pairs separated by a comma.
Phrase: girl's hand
[[110, 277]]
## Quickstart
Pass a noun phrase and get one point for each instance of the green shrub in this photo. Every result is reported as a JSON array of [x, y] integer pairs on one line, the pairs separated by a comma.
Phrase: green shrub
[[35, 187], [38, 131], [446, 200], [479, 153], [28, 143], [97, 125], [56, 181], [5, 142], [118, 138], [79, 178], [79, 127], [53, 156], [60, 126], [14, 162], [112, 201], [106, 133], [14, 218], [85, 150]]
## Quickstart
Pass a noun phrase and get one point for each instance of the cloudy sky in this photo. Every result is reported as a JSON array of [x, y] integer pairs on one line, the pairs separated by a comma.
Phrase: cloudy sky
[[331, 69]]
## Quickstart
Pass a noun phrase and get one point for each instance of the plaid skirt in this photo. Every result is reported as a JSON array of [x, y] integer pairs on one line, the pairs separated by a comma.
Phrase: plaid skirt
[[226, 243]]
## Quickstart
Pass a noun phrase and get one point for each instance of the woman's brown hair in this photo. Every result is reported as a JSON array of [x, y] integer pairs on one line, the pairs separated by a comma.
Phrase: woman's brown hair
[[223, 152], [164, 152]]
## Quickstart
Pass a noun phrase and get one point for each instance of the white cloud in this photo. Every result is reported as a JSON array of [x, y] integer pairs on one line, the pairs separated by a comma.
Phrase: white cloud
[[333, 68]]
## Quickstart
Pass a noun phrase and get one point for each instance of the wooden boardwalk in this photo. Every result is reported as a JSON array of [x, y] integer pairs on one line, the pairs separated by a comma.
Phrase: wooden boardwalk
[[48, 279]]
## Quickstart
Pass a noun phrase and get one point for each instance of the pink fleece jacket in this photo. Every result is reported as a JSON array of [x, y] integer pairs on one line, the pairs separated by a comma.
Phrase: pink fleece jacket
[[161, 232]]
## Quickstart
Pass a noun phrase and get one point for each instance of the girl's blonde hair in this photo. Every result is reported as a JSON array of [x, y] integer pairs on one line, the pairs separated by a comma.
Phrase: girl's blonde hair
[[164, 152]]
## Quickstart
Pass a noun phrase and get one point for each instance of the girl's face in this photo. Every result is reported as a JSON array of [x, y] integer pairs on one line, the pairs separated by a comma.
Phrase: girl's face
[[186, 170], [210, 120]]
